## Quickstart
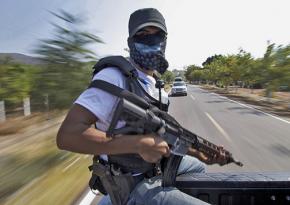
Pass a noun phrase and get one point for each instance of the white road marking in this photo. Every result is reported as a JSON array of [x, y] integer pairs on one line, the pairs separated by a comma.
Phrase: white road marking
[[219, 127], [67, 167], [192, 97], [89, 197], [247, 106]]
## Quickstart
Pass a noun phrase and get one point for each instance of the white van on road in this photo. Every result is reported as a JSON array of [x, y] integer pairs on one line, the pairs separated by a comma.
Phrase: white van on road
[[179, 88]]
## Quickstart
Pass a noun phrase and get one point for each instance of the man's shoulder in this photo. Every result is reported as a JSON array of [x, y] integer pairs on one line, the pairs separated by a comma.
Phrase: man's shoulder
[[109, 73]]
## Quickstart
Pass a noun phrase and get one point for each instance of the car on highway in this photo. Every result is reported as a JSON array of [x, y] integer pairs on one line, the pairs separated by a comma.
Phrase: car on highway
[[178, 88], [178, 79]]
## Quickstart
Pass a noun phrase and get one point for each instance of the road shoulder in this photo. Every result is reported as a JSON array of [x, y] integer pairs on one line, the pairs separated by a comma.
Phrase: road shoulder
[[264, 105]]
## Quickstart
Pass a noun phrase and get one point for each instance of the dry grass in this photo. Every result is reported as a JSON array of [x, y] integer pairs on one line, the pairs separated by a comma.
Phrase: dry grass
[[56, 185], [15, 125], [33, 170]]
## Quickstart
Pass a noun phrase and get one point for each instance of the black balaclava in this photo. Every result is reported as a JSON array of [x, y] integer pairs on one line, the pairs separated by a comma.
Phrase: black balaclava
[[149, 51]]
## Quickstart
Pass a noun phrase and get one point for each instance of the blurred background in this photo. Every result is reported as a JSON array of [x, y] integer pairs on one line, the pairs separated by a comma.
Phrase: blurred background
[[238, 50]]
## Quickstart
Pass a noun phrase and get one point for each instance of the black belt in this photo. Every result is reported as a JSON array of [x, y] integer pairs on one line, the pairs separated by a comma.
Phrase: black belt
[[118, 171]]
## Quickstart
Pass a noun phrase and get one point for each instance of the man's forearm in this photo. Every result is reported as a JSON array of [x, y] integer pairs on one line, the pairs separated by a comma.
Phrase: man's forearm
[[95, 142]]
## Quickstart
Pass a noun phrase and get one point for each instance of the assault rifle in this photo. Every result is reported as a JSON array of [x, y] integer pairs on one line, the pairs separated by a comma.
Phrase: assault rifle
[[141, 118]]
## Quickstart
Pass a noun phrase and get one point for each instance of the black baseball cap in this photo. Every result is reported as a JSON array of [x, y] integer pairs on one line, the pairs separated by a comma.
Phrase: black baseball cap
[[146, 17]]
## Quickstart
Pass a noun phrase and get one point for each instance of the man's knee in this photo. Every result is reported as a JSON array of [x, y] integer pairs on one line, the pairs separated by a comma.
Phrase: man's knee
[[191, 165], [105, 200]]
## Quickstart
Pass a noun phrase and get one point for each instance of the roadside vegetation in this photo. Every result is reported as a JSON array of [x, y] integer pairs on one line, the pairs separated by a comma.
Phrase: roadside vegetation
[[263, 82], [271, 72]]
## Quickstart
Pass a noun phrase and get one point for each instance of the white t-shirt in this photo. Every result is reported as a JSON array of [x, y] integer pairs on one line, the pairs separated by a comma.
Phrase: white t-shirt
[[103, 104]]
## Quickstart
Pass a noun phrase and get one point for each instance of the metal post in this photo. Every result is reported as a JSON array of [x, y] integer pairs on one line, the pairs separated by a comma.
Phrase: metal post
[[46, 103], [26, 106], [2, 111]]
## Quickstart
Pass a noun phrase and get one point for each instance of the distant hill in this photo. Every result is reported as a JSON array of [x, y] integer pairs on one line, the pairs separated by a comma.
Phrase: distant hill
[[21, 58]]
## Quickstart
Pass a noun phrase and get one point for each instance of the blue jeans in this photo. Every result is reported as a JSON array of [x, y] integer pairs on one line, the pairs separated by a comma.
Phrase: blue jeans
[[150, 191]]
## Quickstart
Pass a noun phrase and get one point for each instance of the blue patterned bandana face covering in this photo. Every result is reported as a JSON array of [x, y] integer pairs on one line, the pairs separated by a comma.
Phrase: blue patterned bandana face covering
[[149, 53]]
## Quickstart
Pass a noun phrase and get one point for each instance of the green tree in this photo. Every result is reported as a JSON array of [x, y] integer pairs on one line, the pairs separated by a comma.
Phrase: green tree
[[68, 62], [197, 75], [210, 59], [275, 64], [188, 72], [244, 67], [16, 81], [211, 68], [69, 46], [282, 65], [221, 70], [168, 76]]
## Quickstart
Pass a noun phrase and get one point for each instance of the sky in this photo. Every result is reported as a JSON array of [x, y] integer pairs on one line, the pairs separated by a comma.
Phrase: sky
[[197, 29]]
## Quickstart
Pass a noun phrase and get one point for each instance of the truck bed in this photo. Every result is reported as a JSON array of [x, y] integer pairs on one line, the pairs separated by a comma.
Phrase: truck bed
[[244, 188]]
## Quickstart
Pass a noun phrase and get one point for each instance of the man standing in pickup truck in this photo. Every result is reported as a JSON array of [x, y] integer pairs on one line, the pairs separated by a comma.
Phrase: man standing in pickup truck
[[147, 42]]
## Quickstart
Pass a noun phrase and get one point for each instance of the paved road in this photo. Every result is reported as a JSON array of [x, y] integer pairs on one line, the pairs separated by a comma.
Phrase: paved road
[[260, 141]]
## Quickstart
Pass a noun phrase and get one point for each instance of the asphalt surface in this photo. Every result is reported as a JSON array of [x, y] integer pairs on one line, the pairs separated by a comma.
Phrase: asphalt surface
[[260, 141]]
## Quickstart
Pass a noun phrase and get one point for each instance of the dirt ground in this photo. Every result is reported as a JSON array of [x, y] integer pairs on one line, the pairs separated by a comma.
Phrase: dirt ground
[[283, 96]]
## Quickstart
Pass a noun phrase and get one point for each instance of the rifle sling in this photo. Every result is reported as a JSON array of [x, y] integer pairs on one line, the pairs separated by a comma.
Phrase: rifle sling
[[119, 92]]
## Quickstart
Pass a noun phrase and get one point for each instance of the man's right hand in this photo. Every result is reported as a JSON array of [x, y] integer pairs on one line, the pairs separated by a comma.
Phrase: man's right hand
[[152, 148]]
